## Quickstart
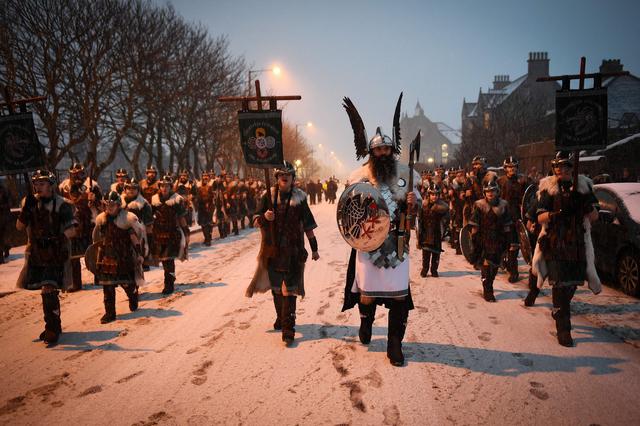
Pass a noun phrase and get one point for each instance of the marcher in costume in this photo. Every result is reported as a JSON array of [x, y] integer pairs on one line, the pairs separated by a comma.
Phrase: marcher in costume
[[205, 203], [491, 232], [149, 186], [84, 193], [476, 182], [533, 228], [5, 222], [457, 201], [512, 186], [382, 276], [220, 211], [170, 231], [136, 204], [122, 177], [118, 236], [430, 215], [564, 254], [49, 221], [187, 190], [283, 257]]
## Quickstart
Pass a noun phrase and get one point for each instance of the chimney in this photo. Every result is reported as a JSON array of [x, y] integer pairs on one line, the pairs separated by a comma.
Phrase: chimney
[[611, 65], [538, 64], [500, 82]]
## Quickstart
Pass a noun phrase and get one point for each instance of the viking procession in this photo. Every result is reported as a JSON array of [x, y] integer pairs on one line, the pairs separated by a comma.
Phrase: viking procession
[[178, 249]]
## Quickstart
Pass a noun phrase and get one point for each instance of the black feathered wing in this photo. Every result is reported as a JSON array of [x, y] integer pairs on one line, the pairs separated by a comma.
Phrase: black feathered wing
[[396, 126], [359, 132]]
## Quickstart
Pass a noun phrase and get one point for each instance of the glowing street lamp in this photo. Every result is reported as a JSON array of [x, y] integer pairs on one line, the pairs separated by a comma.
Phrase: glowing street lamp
[[430, 160], [275, 70], [309, 124]]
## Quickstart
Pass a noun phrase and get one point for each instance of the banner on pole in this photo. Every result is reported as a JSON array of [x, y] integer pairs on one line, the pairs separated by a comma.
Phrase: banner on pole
[[581, 119], [20, 150], [261, 138]]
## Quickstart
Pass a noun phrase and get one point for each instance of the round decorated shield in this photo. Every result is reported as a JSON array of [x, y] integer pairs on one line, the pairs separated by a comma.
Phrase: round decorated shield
[[91, 258], [363, 217], [528, 199], [525, 242], [466, 244]]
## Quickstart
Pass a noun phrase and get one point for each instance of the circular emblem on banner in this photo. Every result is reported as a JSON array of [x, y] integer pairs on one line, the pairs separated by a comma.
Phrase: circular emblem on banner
[[17, 146], [402, 183]]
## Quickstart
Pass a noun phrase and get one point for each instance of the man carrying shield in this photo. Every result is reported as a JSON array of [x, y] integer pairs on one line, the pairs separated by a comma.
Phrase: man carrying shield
[[381, 276]]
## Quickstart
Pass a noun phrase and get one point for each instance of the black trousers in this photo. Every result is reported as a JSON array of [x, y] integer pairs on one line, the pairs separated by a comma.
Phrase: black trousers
[[561, 312]]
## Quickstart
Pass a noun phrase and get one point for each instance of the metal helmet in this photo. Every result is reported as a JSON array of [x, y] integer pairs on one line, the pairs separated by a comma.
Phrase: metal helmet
[[152, 169], [491, 185], [380, 139], [285, 169], [166, 180], [112, 197], [43, 175], [206, 174], [479, 160], [77, 170], [562, 158], [132, 184], [434, 188], [363, 217], [440, 168], [121, 172], [184, 172], [510, 161]]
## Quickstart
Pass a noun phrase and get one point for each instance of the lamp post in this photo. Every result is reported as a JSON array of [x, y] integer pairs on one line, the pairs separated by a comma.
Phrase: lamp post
[[274, 70]]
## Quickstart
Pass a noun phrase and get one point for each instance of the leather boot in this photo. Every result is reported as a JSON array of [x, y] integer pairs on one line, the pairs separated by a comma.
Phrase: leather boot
[[487, 283], [562, 313], [534, 291], [512, 266], [169, 276], [132, 294], [109, 292], [288, 319], [367, 315], [426, 255], [76, 276], [435, 262], [277, 303], [52, 322], [398, 315], [206, 230]]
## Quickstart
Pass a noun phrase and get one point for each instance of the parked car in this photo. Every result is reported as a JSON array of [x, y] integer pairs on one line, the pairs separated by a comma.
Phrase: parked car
[[616, 234]]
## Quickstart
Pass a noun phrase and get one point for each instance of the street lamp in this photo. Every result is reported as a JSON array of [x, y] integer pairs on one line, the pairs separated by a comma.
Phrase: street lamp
[[275, 70]]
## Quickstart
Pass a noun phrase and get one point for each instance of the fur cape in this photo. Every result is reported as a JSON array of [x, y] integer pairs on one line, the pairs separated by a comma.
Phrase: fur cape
[[260, 282], [67, 277], [398, 186], [173, 200], [538, 263], [124, 220], [137, 203]]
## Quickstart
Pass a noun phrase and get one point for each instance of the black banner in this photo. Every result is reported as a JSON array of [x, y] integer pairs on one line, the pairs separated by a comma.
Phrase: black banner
[[20, 150], [581, 119], [261, 138]]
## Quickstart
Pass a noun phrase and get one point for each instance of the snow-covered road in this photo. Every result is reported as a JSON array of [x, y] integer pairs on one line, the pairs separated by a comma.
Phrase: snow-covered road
[[207, 355]]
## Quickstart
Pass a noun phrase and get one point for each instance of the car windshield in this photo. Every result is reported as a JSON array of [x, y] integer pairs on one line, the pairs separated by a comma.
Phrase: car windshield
[[629, 193]]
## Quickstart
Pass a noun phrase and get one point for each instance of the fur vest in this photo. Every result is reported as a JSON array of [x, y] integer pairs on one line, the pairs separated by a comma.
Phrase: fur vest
[[538, 264], [173, 200]]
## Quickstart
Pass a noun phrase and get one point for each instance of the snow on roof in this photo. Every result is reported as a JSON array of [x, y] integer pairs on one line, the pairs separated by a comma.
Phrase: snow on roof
[[454, 136], [591, 158], [629, 193], [624, 141]]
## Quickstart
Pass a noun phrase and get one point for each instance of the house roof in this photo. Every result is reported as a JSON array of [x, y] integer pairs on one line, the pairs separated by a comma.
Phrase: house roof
[[493, 97], [454, 136]]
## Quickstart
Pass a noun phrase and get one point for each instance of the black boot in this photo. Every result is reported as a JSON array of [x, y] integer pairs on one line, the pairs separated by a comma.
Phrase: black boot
[[534, 291], [512, 266], [169, 276], [487, 283], [76, 276], [561, 312], [109, 304], [398, 315], [277, 303], [426, 255], [367, 315], [132, 294], [206, 230], [288, 319], [435, 262], [52, 323]]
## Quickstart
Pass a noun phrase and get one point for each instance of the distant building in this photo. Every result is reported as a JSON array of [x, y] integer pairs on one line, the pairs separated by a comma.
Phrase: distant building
[[623, 101], [438, 140]]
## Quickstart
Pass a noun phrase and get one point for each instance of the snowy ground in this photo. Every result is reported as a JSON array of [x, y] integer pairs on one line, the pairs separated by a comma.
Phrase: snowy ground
[[207, 355]]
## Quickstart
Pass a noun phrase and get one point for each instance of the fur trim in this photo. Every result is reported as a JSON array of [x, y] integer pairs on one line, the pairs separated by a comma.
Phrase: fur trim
[[550, 184], [297, 197], [363, 174], [136, 204], [124, 220], [484, 206], [172, 201]]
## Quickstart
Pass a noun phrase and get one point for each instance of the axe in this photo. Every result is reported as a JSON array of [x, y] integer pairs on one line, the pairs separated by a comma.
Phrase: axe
[[406, 217]]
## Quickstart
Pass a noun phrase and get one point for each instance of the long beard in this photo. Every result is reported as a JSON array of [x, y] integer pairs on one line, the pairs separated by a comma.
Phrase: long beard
[[383, 168]]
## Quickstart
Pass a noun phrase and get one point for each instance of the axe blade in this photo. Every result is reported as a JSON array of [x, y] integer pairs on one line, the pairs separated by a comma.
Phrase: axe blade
[[414, 148]]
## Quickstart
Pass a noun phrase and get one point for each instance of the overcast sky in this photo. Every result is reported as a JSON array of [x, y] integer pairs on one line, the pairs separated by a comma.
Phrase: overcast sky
[[434, 51]]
